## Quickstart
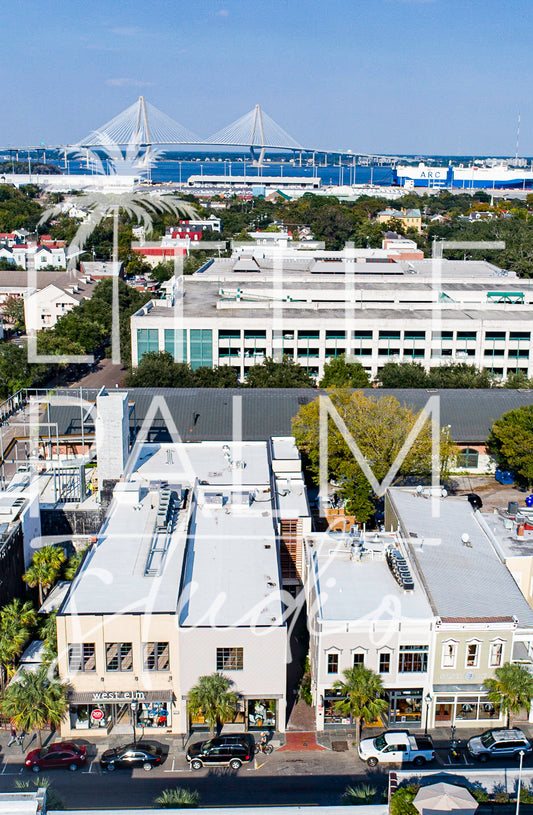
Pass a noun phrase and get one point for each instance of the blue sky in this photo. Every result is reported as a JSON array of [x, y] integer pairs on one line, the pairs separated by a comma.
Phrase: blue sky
[[405, 76]]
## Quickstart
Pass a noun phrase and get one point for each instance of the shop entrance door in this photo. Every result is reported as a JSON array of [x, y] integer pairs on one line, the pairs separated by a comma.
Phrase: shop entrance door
[[122, 719]]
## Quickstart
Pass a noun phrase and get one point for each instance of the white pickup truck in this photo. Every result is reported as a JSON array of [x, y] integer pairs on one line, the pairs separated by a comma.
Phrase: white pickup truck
[[396, 746]]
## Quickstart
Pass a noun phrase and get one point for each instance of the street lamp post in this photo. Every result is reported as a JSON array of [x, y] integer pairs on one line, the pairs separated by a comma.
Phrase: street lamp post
[[427, 700], [519, 785], [133, 706]]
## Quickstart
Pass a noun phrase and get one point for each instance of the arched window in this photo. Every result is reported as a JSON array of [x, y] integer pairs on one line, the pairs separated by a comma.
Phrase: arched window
[[468, 457]]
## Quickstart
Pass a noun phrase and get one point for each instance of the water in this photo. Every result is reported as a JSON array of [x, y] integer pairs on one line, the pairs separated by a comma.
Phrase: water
[[177, 167], [175, 170]]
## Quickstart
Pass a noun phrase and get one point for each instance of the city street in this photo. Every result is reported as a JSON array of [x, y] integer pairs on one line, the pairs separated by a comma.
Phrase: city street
[[284, 778]]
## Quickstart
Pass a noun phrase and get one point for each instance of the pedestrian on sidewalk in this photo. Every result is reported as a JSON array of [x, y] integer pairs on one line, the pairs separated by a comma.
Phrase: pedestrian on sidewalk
[[20, 739], [13, 737]]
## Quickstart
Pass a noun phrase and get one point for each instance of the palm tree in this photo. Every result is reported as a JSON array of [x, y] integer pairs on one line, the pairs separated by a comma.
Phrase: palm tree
[[73, 564], [44, 569], [48, 634], [212, 699], [16, 622], [33, 700], [141, 205], [511, 690], [363, 692]]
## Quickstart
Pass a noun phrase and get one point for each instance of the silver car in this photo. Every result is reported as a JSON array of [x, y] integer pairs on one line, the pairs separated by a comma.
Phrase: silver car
[[505, 742]]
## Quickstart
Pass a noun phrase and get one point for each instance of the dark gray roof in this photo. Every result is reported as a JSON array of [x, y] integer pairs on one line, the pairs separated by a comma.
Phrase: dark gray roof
[[207, 413]]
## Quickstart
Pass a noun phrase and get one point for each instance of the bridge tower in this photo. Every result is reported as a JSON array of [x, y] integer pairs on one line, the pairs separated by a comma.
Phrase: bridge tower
[[257, 126]]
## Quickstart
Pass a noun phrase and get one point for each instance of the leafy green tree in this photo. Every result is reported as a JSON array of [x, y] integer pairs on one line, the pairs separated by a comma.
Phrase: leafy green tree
[[221, 376], [136, 266], [341, 374], [34, 700], [212, 698], [511, 690], [50, 342], [17, 621], [285, 374], [403, 375], [511, 443], [414, 375], [401, 802], [163, 271], [18, 208], [157, 369], [15, 370], [13, 311], [394, 225], [44, 569], [363, 692], [517, 380], [460, 375], [380, 426]]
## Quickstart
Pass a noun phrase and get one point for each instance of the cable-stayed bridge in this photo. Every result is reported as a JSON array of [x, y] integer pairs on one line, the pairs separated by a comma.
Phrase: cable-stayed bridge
[[144, 125], [143, 128]]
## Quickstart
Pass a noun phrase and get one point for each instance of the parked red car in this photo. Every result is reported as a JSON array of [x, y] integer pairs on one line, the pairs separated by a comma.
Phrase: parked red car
[[60, 754]]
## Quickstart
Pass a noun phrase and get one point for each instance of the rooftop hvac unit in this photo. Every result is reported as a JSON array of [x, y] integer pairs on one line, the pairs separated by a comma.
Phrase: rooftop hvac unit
[[400, 570], [240, 497], [214, 499]]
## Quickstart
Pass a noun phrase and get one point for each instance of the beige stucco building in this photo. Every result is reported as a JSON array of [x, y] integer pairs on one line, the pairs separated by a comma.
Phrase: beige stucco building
[[184, 580]]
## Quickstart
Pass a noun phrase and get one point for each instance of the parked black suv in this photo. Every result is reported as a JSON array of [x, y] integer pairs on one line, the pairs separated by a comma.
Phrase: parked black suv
[[230, 751]]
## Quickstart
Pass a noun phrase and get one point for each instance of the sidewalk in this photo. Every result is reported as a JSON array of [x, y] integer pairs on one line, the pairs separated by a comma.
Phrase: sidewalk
[[12, 758], [441, 735]]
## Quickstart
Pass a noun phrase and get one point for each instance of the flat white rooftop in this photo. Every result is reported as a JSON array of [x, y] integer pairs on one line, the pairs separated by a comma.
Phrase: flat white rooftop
[[292, 498], [464, 576], [231, 575], [214, 559], [113, 579], [504, 530], [284, 447], [216, 463], [355, 590]]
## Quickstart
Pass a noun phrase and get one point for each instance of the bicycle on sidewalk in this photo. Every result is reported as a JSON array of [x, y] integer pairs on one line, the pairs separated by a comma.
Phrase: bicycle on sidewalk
[[263, 746]]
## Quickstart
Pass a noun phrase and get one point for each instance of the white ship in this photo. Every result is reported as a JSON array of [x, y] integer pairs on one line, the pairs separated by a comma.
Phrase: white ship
[[499, 176]]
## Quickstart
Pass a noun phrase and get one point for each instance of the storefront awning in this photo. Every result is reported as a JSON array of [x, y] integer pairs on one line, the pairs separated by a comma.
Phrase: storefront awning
[[119, 697]]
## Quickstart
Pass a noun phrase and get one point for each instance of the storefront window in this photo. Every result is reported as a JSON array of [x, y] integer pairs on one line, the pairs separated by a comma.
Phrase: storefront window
[[82, 718], [467, 707], [331, 716], [198, 720], [405, 706], [261, 713], [97, 715], [449, 709], [154, 714]]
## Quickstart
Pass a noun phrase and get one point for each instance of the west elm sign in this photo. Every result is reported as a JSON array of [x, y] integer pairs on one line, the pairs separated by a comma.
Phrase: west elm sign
[[119, 696]]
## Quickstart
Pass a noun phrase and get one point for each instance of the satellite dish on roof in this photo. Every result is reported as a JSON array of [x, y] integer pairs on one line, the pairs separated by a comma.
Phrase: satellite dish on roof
[[465, 539]]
